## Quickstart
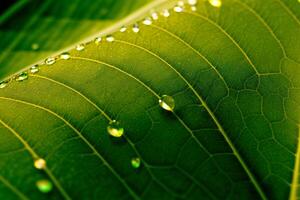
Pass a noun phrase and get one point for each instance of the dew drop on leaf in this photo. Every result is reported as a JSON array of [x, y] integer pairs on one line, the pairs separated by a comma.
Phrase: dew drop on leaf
[[167, 102], [35, 46], [97, 40], [65, 56], [44, 186], [193, 8], [154, 16], [110, 38], [165, 13], [135, 28], [22, 76], [40, 163], [147, 21], [3, 84], [114, 129], [192, 2], [34, 69], [136, 162], [123, 29], [178, 8], [80, 47], [50, 61], [215, 3]]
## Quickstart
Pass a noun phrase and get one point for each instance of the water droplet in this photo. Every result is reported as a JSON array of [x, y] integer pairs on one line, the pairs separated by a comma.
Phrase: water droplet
[[35, 46], [22, 76], [193, 8], [50, 61], [40, 163], [44, 185], [166, 13], [147, 21], [192, 2], [135, 28], [34, 69], [97, 40], [167, 102], [65, 56], [154, 16], [215, 3], [80, 47], [136, 162], [178, 8], [123, 29], [114, 129], [3, 84], [110, 38]]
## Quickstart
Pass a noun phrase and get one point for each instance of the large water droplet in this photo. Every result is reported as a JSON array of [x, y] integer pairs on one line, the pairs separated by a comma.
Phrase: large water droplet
[[50, 61], [65, 56], [44, 185], [167, 102], [35, 46], [154, 16], [123, 29], [40, 163], [80, 47], [147, 21], [22, 76], [34, 69], [3, 84], [110, 38], [136, 162], [166, 13], [135, 28], [192, 2], [114, 129], [97, 40], [215, 3]]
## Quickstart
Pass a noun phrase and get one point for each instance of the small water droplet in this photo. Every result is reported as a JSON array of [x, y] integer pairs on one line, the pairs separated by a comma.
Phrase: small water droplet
[[192, 2], [97, 40], [3, 84], [114, 129], [80, 47], [123, 29], [35, 46], [110, 38], [22, 76], [215, 3], [136, 162], [50, 61], [40, 163], [193, 8], [167, 102], [34, 69], [135, 28], [44, 185], [154, 16], [180, 3], [65, 56], [178, 8], [147, 21], [166, 13]]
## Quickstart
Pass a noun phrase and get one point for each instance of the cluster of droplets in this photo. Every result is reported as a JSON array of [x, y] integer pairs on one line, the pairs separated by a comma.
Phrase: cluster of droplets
[[114, 127], [43, 185]]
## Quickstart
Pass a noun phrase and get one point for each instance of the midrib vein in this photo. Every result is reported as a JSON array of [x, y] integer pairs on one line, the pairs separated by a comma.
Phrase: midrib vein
[[295, 181]]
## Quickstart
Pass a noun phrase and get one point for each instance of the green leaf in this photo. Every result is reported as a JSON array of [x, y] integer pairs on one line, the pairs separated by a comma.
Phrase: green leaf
[[234, 74]]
